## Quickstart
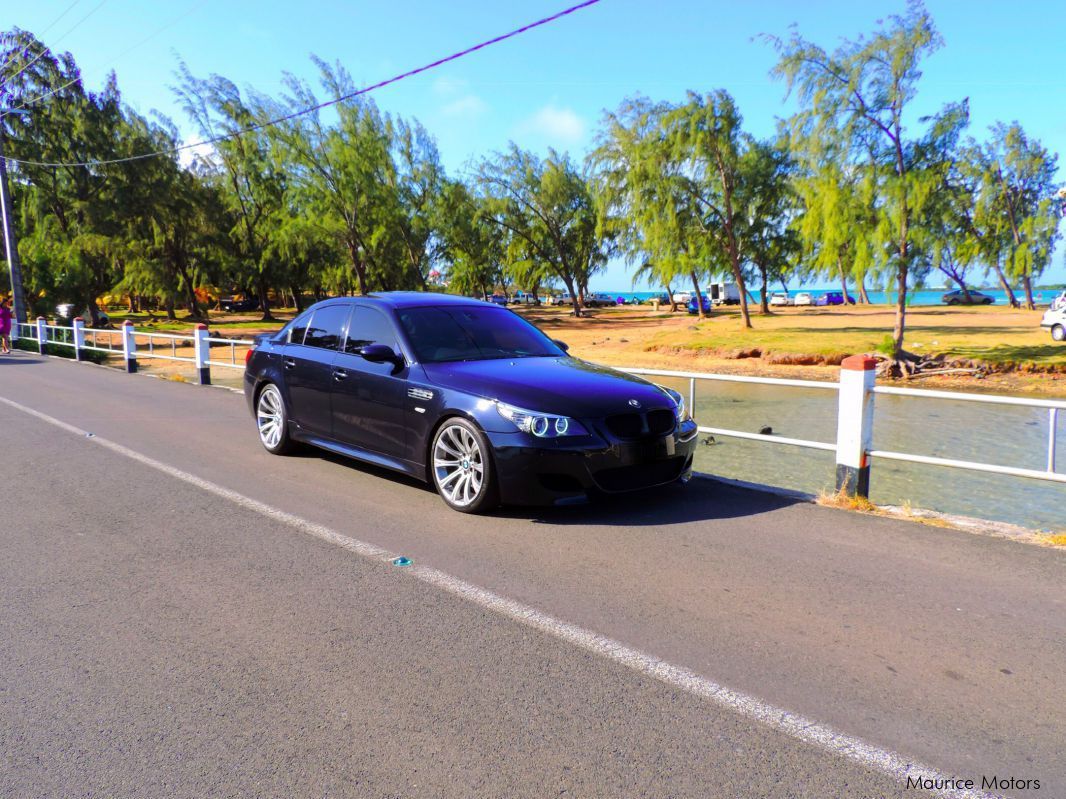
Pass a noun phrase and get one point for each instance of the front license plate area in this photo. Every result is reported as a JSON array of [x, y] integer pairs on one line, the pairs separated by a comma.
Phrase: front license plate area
[[656, 450]]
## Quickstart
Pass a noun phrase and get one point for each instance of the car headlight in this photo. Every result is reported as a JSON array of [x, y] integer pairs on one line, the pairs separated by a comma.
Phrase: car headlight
[[541, 425], [683, 412]]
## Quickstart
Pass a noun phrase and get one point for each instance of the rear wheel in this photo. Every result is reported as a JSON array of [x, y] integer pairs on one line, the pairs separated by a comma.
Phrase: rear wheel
[[1058, 332], [273, 421], [462, 467]]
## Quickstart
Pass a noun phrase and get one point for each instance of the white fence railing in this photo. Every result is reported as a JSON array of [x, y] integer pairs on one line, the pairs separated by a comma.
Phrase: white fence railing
[[855, 389], [133, 344]]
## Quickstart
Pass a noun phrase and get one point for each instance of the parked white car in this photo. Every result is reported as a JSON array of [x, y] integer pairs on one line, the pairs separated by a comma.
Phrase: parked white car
[[1055, 321], [803, 298], [780, 298]]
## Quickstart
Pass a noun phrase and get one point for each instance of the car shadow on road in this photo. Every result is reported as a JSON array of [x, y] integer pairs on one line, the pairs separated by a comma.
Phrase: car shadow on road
[[699, 500]]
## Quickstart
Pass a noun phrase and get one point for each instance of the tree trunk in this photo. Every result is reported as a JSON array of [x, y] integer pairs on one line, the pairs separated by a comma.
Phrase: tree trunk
[[297, 298], [742, 288], [264, 300], [765, 301], [132, 307], [358, 267], [1027, 284], [1011, 299], [572, 289], [844, 285], [169, 305], [863, 296], [670, 294], [190, 294], [696, 295], [901, 313]]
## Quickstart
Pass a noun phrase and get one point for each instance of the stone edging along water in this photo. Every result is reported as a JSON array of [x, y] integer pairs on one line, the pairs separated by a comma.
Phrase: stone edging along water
[[932, 518]]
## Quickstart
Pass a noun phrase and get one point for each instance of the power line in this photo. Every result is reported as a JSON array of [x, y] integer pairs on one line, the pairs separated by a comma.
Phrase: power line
[[41, 34], [70, 30], [327, 103], [111, 62]]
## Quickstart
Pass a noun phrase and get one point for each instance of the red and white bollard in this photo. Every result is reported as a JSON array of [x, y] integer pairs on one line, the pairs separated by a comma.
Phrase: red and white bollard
[[79, 337], [129, 347], [202, 348], [855, 425]]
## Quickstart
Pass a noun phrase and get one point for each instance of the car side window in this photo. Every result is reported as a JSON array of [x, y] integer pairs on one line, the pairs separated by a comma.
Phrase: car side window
[[369, 326], [298, 328], [327, 327]]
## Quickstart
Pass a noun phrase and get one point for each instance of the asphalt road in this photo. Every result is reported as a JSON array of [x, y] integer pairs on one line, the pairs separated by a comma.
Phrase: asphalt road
[[161, 640]]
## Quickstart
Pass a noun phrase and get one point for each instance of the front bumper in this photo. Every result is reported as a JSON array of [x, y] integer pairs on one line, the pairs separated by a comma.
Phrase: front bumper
[[559, 471]]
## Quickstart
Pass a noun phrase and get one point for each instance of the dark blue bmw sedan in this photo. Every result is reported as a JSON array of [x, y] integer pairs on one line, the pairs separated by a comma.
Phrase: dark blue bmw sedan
[[465, 395]]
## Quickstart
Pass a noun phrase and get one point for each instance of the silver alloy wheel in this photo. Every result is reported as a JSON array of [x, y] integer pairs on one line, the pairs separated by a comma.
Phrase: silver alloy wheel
[[459, 465], [270, 414]]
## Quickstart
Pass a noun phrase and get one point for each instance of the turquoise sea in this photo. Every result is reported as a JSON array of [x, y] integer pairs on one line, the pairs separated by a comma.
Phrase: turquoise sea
[[918, 297]]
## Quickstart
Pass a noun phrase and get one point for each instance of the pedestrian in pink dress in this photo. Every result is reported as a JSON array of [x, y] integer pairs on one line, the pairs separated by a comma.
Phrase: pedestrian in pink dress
[[5, 327]]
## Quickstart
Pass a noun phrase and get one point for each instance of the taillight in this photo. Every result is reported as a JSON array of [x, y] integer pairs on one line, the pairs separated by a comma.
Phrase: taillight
[[248, 355]]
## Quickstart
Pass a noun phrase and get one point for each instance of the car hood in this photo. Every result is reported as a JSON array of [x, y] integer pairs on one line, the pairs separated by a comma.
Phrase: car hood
[[562, 385]]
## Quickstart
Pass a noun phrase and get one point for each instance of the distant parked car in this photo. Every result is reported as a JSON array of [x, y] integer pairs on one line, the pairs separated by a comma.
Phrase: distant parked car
[[780, 298], [958, 297], [705, 302], [598, 300], [67, 311], [803, 298], [234, 305], [1055, 321], [496, 299], [834, 298]]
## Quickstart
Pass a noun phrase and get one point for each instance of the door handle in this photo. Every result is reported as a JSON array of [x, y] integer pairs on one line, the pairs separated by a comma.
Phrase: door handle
[[340, 374], [289, 363]]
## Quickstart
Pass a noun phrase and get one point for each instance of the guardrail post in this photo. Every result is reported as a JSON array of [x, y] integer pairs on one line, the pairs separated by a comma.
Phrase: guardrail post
[[79, 337], [855, 425], [129, 347], [42, 334], [202, 348]]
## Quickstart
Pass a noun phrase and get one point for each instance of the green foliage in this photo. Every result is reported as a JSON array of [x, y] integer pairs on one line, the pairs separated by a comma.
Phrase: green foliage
[[58, 350], [854, 187]]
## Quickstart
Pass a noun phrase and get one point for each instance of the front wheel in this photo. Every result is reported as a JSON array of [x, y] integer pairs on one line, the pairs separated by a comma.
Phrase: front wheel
[[1058, 332], [462, 467], [273, 422]]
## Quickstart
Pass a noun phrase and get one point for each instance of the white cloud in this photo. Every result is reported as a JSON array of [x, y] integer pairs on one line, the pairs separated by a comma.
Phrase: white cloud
[[447, 86], [469, 105], [457, 99], [558, 125]]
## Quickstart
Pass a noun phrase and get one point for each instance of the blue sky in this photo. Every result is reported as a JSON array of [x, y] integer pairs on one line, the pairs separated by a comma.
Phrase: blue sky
[[549, 87]]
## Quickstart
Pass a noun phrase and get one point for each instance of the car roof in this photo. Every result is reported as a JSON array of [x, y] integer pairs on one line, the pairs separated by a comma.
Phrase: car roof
[[407, 299]]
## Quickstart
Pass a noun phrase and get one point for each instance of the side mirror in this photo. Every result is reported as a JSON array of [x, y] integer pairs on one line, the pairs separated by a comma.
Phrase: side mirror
[[381, 353], [561, 345]]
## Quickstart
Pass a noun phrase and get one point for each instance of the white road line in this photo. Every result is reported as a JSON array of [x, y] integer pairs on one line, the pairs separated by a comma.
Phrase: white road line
[[795, 726]]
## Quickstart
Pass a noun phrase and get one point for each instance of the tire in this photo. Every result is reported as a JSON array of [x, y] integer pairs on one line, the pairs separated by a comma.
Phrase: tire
[[462, 468], [986, 301], [1058, 332], [272, 421], [953, 302]]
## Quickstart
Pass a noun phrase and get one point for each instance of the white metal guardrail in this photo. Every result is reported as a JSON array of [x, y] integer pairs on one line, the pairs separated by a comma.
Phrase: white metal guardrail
[[855, 389], [136, 344]]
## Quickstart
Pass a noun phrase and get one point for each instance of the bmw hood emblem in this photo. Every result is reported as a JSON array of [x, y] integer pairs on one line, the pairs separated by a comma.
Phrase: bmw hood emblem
[[634, 404]]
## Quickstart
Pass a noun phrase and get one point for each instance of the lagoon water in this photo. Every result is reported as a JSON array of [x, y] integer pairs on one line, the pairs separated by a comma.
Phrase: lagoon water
[[915, 297], [1002, 435]]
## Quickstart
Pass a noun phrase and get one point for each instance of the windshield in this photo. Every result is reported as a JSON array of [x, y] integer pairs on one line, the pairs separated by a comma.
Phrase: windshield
[[473, 333]]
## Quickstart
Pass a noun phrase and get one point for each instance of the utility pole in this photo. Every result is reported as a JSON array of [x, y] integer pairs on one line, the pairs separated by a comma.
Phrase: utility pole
[[18, 299]]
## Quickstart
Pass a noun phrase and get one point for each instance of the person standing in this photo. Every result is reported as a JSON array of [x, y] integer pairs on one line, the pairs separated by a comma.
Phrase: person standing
[[5, 327]]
